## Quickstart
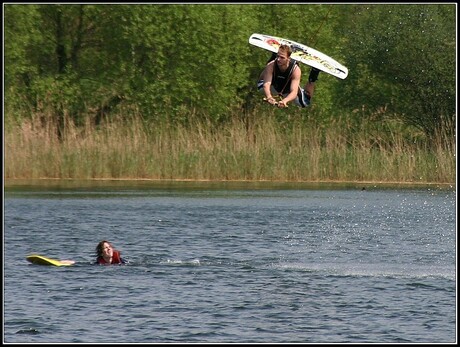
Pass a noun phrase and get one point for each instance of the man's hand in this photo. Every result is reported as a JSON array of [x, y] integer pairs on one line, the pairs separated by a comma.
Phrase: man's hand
[[271, 100], [282, 104]]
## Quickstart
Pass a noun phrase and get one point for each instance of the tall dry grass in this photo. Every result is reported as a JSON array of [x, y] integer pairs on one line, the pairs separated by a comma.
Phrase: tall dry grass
[[253, 148]]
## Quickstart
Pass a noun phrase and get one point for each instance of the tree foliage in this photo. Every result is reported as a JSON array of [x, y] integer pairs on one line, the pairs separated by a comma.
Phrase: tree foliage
[[170, 60], [402, 57]]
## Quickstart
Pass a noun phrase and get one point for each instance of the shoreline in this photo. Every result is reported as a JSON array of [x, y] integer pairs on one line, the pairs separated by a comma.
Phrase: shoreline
[[12, 182]]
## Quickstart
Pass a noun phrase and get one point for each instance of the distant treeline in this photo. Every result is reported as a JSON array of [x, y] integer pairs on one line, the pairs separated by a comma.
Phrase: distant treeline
[[164, 61]]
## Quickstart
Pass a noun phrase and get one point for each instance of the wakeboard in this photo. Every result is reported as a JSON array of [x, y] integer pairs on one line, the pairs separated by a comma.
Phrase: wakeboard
[[41, 260], [301, 53]]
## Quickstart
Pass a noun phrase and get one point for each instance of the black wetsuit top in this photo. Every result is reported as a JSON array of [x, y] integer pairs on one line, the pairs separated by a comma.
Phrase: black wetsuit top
[[281, 81]]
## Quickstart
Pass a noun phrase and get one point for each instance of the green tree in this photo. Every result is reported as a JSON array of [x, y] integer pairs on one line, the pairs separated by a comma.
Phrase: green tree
[[402, 58], [20, 31], [189, 58]]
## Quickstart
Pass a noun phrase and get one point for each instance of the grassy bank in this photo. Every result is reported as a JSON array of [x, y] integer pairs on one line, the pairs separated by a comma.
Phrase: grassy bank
[[253, 148]]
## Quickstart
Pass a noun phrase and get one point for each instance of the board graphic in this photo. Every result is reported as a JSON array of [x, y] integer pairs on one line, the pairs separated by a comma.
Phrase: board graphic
[[301, 53]]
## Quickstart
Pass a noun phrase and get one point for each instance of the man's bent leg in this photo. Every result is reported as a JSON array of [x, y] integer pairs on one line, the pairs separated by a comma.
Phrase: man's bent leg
[[312, 78]]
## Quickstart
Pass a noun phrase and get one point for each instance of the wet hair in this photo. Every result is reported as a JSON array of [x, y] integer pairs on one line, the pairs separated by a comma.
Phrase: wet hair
[[99, 247], [285, 48]]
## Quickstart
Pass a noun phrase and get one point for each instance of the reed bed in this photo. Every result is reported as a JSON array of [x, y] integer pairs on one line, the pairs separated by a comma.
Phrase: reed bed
[[245, 148]]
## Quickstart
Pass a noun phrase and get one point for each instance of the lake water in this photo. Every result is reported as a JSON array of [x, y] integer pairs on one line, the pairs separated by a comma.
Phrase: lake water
[[244, 264]]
